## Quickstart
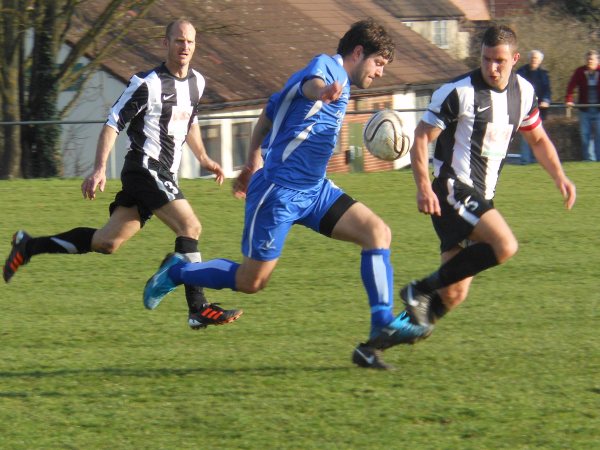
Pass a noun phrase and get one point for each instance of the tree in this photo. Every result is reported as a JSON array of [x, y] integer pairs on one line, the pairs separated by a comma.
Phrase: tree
[[32, 32], [564, 40], [560, 30]]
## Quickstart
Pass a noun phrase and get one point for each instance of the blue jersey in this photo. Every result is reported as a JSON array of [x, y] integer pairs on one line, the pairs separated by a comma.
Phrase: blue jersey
[[304, 131]]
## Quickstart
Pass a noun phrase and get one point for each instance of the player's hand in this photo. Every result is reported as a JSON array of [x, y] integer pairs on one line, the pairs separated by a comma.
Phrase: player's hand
[[240, 185], [218, 171], [567, 190], [331, 92], [428, 203], [97, 180]]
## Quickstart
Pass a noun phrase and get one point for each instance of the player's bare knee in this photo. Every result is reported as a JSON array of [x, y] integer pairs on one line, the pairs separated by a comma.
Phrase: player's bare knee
[[507, 250], [107, 247], [454, 295], [251, 286], [380, 235], [192, 228]]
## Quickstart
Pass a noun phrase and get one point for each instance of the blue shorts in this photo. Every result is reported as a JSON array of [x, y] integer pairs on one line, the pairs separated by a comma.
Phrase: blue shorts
[[271, 210]]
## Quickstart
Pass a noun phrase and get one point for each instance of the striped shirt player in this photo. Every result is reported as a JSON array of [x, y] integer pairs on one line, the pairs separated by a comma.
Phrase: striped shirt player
[[473, 118], [478, 123], [161, 108]]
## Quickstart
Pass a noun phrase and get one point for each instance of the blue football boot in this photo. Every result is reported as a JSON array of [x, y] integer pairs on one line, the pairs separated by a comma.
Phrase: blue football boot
[[401, 330], [160, 284]]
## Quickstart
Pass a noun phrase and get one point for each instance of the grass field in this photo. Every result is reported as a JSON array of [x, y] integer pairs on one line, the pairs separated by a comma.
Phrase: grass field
[[84, 366]]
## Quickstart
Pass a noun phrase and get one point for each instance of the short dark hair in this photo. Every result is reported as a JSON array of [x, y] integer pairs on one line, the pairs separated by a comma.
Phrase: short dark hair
[[500, 35], [372, 36]]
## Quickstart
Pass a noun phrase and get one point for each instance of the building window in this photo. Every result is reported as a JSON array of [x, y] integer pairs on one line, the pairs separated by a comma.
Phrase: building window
[[239, 143], [440, 33], [422, 99], [211, 136]]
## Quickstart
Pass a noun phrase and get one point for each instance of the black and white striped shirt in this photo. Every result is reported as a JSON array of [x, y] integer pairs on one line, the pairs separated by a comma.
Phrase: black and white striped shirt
[[160, 109], [478, 124]]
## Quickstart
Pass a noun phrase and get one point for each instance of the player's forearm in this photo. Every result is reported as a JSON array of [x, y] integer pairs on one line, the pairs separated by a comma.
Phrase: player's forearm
[[419, 159], [313, 89], [106, 142], [420, 169], [546, 154], [259, 133], [196, 145]]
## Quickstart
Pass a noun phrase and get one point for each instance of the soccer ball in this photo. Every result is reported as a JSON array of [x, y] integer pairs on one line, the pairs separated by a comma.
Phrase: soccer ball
[[384, 137]]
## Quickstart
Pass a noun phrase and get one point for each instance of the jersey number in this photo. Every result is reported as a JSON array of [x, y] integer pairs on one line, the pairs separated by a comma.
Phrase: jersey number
[[171, 187]]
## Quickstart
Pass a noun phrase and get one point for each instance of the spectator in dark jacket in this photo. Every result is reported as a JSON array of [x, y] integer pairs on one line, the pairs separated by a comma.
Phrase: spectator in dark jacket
[[585, 80], [540, 80]]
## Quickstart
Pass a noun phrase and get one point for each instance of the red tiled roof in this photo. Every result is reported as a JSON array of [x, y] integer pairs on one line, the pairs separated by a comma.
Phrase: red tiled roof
[[246, 49], [410, 10], [474, 9]]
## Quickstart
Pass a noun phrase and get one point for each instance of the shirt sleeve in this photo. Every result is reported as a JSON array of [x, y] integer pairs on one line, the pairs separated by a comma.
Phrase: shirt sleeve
[[131, 102], [443, 108], [532, 120]]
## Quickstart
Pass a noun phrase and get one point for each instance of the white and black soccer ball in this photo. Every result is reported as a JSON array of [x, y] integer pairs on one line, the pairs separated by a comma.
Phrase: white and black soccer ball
[[384, 136]]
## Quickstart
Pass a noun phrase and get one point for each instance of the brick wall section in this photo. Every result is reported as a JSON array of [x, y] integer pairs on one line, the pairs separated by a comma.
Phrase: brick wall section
[[373, 164], [337, 164]]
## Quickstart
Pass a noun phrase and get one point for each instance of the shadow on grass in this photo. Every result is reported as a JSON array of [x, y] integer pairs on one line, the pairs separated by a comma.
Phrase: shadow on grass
[[165, 372]]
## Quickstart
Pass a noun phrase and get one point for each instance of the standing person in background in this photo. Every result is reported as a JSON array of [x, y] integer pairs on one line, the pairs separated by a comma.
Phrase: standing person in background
[[302, 123], [161, 107], [538, 77], [473, 119], [586, 80]]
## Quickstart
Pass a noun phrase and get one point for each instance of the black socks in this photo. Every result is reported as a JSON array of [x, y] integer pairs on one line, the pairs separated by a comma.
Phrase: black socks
[[468, 262], [75, 241]]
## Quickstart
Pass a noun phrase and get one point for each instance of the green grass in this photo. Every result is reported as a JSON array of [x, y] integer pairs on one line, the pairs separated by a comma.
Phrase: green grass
[[84, 366]]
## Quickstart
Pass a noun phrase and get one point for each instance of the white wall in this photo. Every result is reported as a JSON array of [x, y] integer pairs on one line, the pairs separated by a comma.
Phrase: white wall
[[78, 141], [457, 41], [405, 101]]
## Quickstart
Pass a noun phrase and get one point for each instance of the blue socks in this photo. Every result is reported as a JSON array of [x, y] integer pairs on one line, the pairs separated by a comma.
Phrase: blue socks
[[378, 278], [375, 269], [213, 274]]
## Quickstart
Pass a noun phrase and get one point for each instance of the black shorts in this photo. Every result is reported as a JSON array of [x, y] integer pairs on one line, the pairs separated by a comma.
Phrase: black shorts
[[462, 206], [147, 188]]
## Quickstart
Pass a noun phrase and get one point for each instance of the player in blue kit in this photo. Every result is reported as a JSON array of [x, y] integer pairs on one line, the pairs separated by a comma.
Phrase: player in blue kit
[[296, 135]]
